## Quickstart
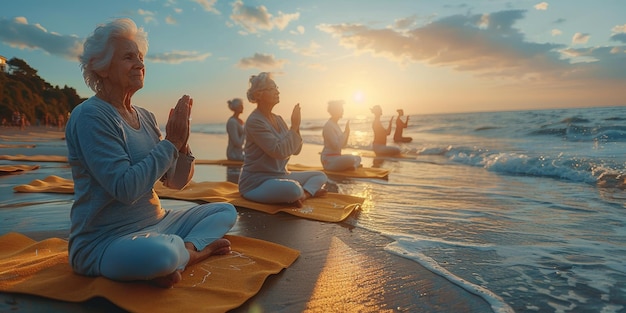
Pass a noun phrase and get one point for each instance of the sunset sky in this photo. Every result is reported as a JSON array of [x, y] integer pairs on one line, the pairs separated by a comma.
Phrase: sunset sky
[[422, 56]]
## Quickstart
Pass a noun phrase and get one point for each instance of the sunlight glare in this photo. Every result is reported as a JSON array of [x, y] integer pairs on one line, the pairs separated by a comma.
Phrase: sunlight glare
[[359, 96]]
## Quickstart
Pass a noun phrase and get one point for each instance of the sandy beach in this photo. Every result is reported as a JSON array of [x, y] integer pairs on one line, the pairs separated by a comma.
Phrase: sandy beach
[[341, 268]]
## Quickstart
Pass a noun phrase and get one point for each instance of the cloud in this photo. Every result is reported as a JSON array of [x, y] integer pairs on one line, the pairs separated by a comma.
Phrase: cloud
[[541, 6], [299, 30], [310, 51], [619, 29], [580, 38], [262, 62], [177, 57], [256, 19], [619, 33], [316, 67], [486, 45], [404, 23], [208, 5], [148, 16], [604, 62], [170, 20], [621, 37], [556, 32], [19, 34]]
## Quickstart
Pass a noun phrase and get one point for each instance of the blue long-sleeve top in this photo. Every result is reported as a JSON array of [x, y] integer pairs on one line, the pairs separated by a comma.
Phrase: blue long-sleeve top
[[114, 168]]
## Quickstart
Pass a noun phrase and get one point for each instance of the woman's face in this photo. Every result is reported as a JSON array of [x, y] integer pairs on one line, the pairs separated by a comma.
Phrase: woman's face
[[126, 71], [336, 111], [239, 109], [269, 95]]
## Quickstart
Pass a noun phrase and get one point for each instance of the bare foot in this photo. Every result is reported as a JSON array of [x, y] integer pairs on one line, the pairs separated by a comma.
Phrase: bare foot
[[167, 281], [218, 247], [320, 193], [300, 202]]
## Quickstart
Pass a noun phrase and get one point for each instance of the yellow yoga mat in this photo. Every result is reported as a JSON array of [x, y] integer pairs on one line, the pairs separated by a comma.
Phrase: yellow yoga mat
[[361, 172], [10, 169], [16, 146], [391, 157], [219, 162], [333, 207], [52, 184], [358, 173], [36, 158], [36, 135], [218, 284]]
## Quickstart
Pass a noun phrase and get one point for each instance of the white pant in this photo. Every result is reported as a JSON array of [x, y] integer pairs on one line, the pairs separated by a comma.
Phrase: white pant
[[340, 162], [289, 188]]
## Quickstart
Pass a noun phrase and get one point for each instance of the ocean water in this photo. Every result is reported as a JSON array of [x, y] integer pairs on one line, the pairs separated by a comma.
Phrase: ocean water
[[526, 208]]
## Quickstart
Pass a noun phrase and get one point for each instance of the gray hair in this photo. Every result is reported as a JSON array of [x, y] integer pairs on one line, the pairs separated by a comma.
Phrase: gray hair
[[98, 50], [234, 104], [257, 82]]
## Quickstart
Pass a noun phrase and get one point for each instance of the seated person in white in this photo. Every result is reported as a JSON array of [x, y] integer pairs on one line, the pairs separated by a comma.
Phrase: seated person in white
[[335, 140]]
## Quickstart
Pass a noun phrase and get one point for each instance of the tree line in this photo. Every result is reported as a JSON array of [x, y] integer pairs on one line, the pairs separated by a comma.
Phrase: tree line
[[35, 101]]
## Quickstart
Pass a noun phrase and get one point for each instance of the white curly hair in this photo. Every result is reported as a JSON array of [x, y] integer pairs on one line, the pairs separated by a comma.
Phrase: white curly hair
[[98, 49]]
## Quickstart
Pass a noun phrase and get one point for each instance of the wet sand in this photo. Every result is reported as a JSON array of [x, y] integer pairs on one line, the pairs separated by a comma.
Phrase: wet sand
[[341, 268]]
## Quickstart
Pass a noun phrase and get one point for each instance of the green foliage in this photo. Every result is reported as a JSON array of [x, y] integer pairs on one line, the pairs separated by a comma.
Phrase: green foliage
[[23, 91]]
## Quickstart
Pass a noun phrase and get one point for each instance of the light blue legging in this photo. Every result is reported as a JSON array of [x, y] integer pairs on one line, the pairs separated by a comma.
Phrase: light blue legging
[[340, 162], [289, 188], [159, 250]]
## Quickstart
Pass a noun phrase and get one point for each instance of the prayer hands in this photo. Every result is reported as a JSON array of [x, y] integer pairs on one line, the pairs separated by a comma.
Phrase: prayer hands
[[177, 127], [296, 118]]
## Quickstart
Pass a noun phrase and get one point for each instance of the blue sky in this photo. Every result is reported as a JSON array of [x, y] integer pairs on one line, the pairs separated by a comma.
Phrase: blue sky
[[422, 56]]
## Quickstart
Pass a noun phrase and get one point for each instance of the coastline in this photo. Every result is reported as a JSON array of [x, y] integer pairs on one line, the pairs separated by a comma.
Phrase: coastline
[[341, 267]]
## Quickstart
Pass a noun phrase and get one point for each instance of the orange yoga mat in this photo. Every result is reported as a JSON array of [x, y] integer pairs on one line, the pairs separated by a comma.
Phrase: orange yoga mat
[[36, 158], [361, 172], [333, 207], [218, 284], [11, 169]]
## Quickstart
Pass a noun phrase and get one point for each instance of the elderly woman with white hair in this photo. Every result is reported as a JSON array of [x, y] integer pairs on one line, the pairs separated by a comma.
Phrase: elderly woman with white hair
[[269, 145], [334, 141], [235, 131], [116, 151]]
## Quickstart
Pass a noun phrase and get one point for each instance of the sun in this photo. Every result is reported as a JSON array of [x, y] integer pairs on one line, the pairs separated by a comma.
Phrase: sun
[[358, 96]]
